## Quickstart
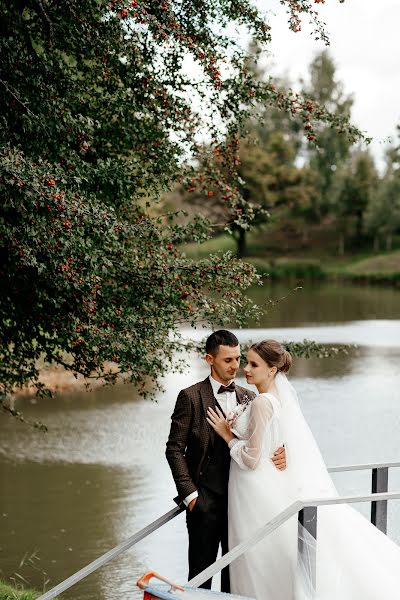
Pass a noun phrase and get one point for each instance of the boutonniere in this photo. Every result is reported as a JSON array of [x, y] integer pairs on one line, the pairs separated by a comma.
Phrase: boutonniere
[[246, 399], [233, 415]]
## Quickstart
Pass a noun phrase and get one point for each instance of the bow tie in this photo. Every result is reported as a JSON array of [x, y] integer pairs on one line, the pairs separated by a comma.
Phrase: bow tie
[[227, 388]]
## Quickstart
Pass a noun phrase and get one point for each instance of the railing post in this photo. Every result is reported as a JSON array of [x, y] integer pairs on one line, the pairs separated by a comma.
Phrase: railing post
[[308, 552], [380, 478]]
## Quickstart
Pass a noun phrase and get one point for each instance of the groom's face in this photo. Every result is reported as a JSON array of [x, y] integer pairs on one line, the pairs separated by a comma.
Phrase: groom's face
[[225, 363]]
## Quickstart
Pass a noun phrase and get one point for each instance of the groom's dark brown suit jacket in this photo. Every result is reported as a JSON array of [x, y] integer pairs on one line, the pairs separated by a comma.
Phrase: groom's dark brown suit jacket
[[191, 436]]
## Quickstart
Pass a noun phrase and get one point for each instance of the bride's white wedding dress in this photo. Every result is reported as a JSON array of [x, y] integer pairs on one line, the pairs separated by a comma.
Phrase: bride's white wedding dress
[[355, 561]]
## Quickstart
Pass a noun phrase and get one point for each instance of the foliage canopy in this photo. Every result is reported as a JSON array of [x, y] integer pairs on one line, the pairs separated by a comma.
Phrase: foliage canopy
[[105, 105]]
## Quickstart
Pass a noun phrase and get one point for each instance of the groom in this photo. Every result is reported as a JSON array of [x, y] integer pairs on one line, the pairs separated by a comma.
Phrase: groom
[[199, 459]]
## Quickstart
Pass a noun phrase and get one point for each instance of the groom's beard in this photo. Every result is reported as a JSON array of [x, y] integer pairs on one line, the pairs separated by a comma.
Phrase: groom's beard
[[227, 377]]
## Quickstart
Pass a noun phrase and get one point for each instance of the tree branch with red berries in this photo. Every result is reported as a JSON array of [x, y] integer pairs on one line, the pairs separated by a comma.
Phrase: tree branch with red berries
[[106, 106]]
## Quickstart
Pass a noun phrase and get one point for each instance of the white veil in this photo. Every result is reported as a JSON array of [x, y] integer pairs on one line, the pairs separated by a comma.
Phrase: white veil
[[309, 475], [354, 559]]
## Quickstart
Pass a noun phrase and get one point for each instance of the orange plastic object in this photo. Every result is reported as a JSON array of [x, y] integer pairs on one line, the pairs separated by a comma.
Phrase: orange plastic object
[[143, 583]]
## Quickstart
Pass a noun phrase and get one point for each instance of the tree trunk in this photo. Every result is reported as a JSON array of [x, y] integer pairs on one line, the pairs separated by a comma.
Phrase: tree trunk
[[341, 245], [304, 235], [389, 239], [359, 224], [241, 242], [376, 243]]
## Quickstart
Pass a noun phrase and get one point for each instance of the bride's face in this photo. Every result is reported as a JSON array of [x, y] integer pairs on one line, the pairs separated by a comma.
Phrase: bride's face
[[257, 371]]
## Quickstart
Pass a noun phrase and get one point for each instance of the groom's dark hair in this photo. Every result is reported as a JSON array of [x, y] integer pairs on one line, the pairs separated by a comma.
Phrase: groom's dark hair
[[220, 338]]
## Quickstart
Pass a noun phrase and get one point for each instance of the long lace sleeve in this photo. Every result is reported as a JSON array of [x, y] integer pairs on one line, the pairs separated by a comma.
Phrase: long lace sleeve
[[247, 453]]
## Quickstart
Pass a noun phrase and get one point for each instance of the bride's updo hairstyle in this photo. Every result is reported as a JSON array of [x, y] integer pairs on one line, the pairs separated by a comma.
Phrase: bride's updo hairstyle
[[274, 354]]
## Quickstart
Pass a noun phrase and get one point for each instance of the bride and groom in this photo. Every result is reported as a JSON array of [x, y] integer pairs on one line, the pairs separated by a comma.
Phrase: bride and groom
[[234, 475]]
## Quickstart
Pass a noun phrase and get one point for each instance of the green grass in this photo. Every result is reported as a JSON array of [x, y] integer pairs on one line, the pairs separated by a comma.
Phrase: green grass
[[288, 268], [8, 592], [381, 269], [356, 267], [391, 279], [384, 264], [222, 243]]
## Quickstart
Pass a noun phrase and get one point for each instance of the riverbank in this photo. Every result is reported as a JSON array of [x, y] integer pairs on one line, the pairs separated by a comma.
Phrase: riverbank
[[361, 268], [59, 380], [361, 272], [8, 592]]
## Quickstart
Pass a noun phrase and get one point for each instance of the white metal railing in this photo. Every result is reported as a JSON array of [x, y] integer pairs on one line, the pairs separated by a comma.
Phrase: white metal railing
[[378, 498], [363, 467], [279, 520], [113, 553], [379, 484]]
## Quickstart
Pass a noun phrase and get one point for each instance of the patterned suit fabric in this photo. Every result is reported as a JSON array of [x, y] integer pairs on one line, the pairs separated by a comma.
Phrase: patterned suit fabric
[[200, 462], [191, 435]]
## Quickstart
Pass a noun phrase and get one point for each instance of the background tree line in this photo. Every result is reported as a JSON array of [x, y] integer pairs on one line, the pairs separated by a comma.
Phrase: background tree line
[[329, 184]]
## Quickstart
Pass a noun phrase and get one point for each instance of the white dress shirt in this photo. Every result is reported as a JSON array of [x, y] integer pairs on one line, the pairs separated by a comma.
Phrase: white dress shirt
[[228, 402]]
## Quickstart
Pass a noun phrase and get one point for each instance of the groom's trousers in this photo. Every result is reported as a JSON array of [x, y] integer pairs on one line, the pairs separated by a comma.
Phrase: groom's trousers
[[207, 526]]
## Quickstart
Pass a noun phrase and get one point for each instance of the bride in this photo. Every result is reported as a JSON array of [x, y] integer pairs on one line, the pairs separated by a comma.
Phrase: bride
[[355, 561]]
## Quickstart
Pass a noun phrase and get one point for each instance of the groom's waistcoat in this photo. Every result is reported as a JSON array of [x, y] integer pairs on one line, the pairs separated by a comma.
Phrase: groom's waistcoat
[[196, 454], [214, 474]]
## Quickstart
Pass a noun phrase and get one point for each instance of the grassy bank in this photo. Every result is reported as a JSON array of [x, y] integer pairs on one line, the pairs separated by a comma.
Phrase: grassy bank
[[59, 381], [298, 269], [288, 269], [359, 268], [8, 592]]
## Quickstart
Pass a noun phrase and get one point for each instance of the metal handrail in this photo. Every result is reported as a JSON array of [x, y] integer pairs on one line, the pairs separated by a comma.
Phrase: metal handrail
[[362, 467], [379, 484], [105, 558], [279, 520], [114, 552]]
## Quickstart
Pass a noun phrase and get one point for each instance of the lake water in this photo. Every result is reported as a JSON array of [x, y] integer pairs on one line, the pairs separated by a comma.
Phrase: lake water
[[100, 472]]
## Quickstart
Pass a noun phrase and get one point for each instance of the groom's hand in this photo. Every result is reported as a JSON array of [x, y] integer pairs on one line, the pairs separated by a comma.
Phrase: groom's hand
[[191, 504], [279, 459]]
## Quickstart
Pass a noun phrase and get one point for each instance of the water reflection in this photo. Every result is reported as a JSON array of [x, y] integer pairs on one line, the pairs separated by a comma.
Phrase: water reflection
[[382, 333], [68, 514], [319, 302], [100, 473], [350, 361]]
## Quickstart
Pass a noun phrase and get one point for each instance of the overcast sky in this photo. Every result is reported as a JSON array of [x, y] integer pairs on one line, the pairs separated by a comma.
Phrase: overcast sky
[[365, 45]]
